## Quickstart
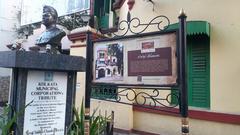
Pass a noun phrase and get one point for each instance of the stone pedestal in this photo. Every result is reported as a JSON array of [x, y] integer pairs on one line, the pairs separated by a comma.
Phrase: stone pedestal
[[48, 83]]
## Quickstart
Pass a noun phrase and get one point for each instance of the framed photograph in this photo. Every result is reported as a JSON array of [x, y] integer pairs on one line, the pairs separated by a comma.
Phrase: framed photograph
[[109, 63]]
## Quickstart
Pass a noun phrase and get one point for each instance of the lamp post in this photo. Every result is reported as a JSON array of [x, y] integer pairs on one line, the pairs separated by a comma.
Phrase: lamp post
[[183, 72]]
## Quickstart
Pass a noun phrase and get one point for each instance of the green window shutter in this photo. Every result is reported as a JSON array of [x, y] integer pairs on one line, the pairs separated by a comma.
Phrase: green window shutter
[[101, 10], [107, 6], [104, 21], [97, 7], [199, 71]]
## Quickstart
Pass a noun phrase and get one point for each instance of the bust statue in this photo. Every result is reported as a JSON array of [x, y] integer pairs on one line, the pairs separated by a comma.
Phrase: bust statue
[[50, 40]]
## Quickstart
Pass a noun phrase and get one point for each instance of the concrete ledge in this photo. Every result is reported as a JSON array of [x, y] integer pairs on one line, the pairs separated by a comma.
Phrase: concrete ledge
[[41, 61]]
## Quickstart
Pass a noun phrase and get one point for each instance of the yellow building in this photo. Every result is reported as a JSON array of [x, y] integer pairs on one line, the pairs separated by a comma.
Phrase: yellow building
[[213, 67]]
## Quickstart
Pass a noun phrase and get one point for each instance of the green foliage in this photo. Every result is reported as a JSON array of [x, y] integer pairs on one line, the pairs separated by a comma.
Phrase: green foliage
[[77, 126], [7, 123], [97, 123], [4, 119], [117, 51]]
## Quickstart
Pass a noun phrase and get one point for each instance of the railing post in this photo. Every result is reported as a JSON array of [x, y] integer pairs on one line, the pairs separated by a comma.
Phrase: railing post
[[183, 72], [89, 50]]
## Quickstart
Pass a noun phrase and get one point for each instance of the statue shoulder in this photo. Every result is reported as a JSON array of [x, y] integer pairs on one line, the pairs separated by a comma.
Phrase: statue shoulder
[[43, 38], [51, 35], [56, 31]]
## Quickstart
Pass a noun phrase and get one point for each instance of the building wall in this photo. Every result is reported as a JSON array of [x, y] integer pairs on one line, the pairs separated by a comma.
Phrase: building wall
[[169, 125], [123, 114], [223, 42], [4, 88], [8, 24], [80, 88], [8, 21], [224, 67]]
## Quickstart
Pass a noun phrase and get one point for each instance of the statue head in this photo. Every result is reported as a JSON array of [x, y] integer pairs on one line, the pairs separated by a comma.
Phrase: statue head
[[49, 40], [49, 16]]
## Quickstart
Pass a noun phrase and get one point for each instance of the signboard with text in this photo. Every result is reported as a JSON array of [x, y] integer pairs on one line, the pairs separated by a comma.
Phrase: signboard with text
[[148, 60], [46, 114]]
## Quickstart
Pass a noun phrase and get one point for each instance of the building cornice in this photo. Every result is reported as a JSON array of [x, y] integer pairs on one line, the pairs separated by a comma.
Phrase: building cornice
[[118, 4], [80, 34]]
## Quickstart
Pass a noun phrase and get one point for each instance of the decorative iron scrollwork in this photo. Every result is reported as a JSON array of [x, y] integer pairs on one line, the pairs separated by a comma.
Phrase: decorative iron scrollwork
[[135, 26], [148, 97], [145, 97]]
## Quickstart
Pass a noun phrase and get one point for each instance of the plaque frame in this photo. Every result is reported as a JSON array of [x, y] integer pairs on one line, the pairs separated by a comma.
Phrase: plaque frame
[[118, 40]]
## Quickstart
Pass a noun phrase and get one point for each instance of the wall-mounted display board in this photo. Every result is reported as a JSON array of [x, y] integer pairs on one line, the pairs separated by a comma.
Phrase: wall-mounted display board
[[147, 60]]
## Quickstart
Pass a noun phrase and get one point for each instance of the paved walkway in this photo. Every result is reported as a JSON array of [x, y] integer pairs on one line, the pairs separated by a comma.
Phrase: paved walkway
[[114, 133], [124, 134]]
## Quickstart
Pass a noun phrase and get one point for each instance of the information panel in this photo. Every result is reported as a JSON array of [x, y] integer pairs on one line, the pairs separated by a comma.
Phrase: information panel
[[139, 63], [46, 114], [149, 60]]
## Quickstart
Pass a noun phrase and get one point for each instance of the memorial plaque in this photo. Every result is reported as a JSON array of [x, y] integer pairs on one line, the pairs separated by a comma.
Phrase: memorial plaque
[[46, 114]]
